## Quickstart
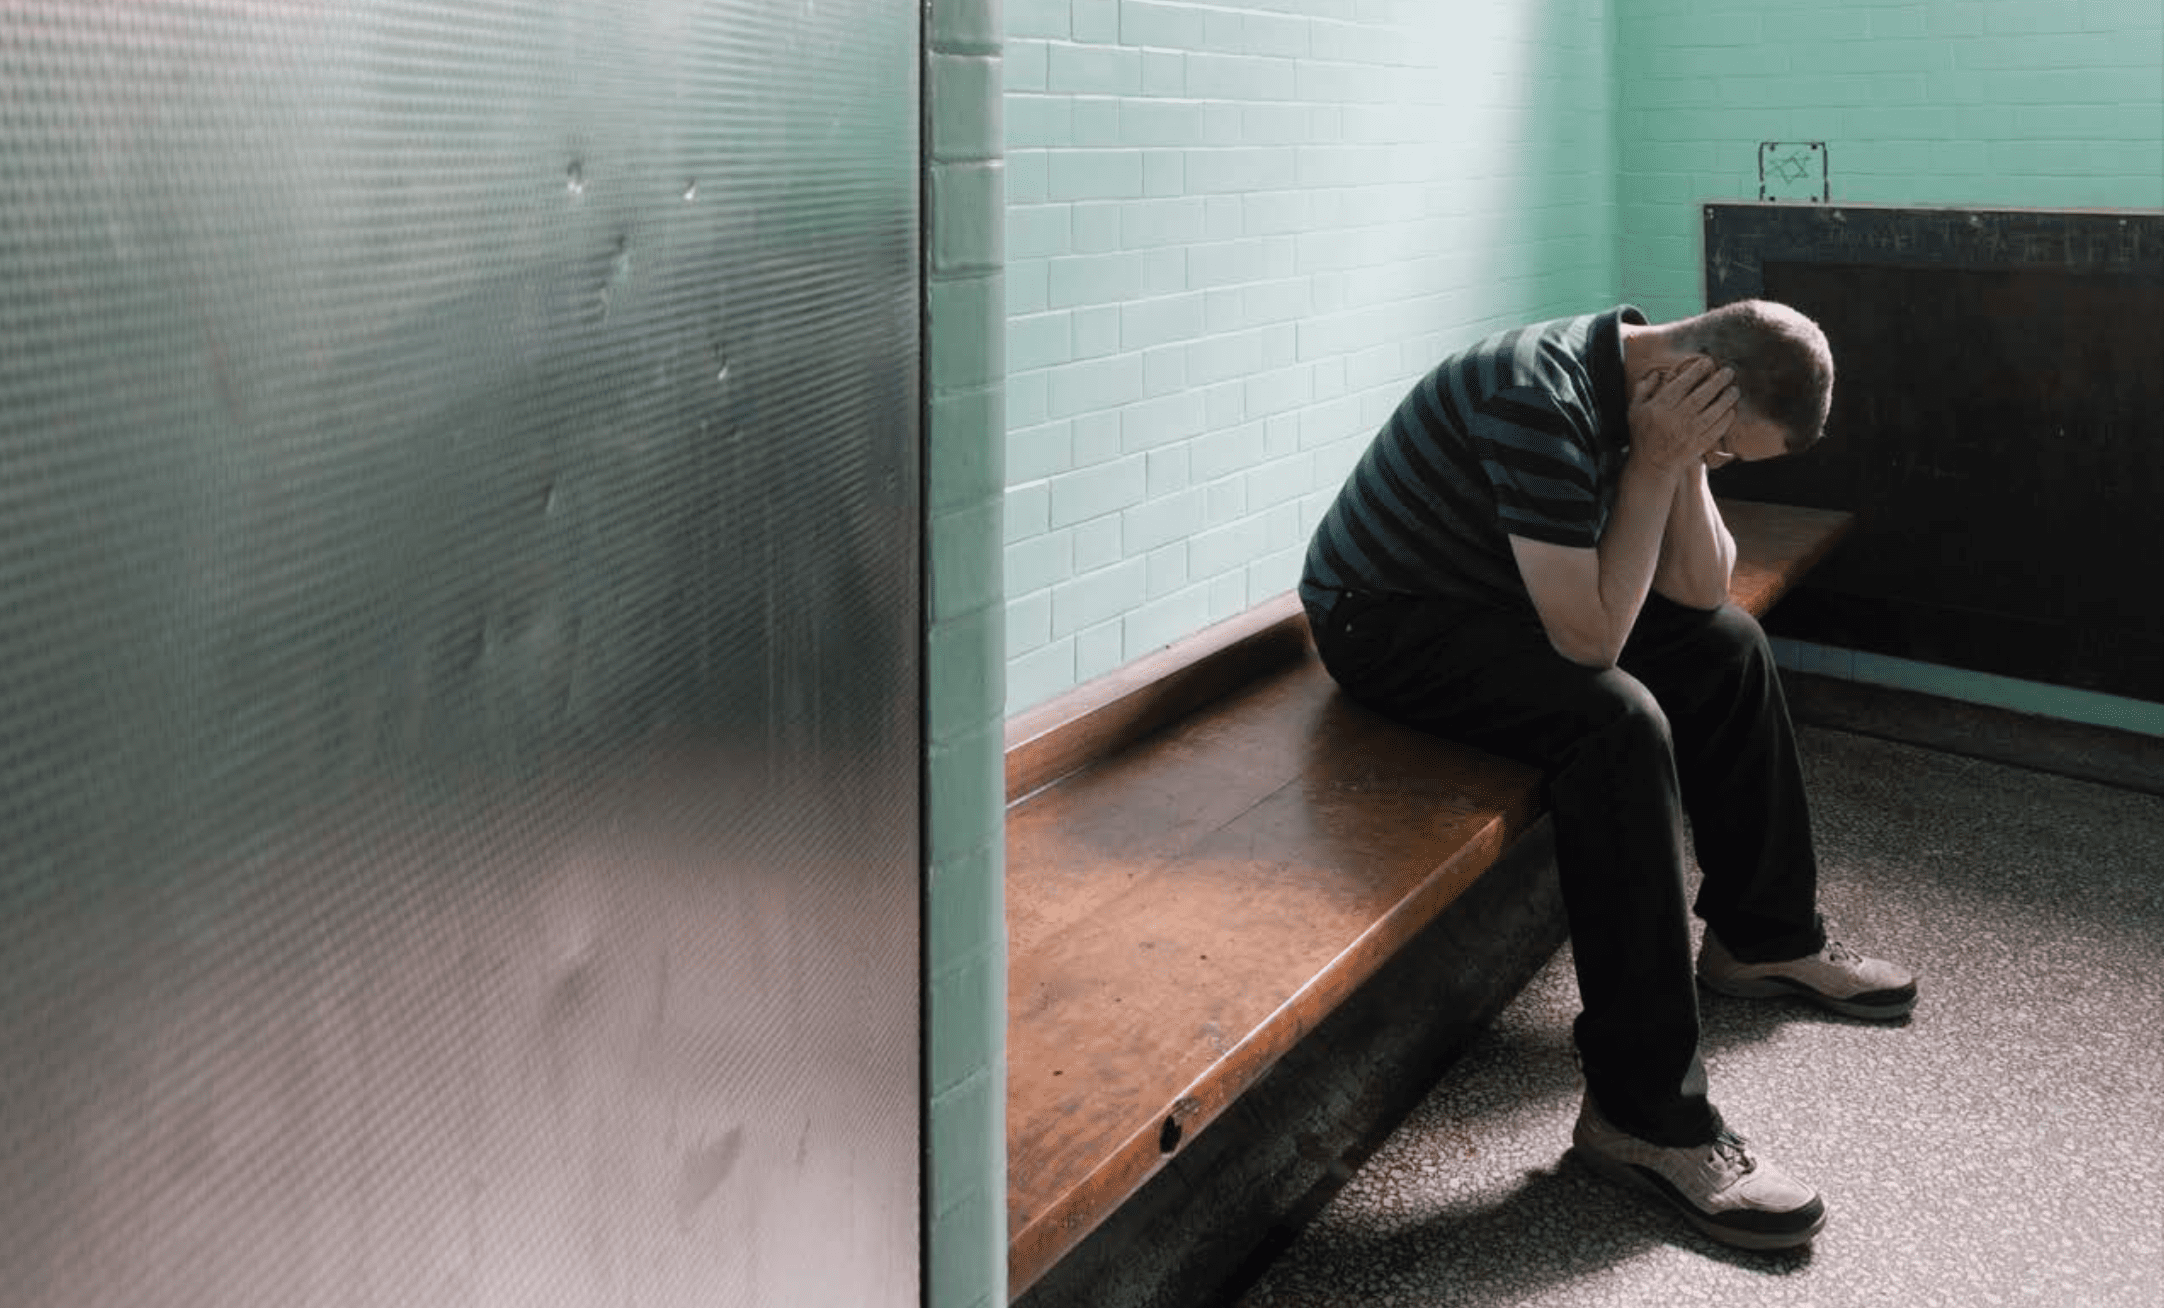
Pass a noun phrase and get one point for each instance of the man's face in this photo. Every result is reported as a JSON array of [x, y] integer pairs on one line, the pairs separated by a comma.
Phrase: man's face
[[1750, 438]]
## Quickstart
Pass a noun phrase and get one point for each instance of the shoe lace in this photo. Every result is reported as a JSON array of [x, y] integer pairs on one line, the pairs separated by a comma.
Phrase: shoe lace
[[1734, 1150], [1836, 952]]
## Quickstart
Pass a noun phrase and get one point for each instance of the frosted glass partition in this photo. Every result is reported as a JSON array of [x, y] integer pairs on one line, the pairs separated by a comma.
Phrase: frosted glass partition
[[459, 673]]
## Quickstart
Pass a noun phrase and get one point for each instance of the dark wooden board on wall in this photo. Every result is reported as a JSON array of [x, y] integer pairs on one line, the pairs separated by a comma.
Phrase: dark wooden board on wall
[[1998, 427]]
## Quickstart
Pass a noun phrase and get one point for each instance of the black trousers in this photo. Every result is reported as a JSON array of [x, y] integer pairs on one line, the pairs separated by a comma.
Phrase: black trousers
[[1692, 721]]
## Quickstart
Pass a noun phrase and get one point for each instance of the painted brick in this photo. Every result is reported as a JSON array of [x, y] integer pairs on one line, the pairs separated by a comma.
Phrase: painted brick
[[960, 1050], [1039, 121], [1329, 382], [965, 106], [1241, 77], [1223, 549], [1029, 622], [1146, 223], [1222, 29], [1097, 383], [1037, 341], [1277, 482], [1096, 544], [1096, 331], [1167, 471], [1241, 170], [1284, 300], [1096, 20], [961, 1151], [1040, 674], [1029, 511], [1222, 311], [1035, 231], [1093, 70], [1046, 450], [1161, 621], [1144, 323], [968, 329], [1094, 279], [1276, 571], [962, 656], [1225, 450], [1275, 392], [1164, 73], [1164, 272], [1222, 218], [1224, 501], [966, 26], [1174, 25], [1099, 650], [1023, 65], [1223, 123], [966, 466], [1028, 398], [1096, 227], [1337, 420], [1164, 173], [1094, 175], [1164, 521], [1228, 595], [1097, 437], [1028, 286], [1225, 263], [1039, 562], [1167, 572], [1028, 176], [1164, 371], [1041, 18], [1098, 597], [1091, 492], [1274, 34], [1097, 122], [1160, 122], [1171, 416]]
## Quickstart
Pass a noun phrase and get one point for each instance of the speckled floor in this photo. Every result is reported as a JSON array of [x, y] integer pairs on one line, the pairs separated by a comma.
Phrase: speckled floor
[[2004, 1146]]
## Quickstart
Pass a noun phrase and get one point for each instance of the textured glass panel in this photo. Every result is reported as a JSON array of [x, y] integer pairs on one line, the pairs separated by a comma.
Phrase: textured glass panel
[[458, 653]]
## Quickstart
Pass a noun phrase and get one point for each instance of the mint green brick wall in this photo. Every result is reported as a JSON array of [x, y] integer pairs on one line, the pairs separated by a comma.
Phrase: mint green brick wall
[[2028, 103], [1235, 233], [965, 922]]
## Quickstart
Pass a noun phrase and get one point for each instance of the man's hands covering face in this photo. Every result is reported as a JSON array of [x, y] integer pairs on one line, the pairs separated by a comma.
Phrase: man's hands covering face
[[1678, 415]]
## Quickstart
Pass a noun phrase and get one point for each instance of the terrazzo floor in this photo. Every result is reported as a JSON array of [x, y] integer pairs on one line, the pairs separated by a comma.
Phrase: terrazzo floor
[[2005, 1145]]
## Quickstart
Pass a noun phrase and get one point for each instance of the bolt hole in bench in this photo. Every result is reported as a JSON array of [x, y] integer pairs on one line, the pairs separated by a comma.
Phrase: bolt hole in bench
[[1210, 852]]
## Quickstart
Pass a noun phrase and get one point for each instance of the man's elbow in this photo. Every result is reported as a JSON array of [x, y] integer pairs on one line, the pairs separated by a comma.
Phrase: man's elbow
[[1585, 653], [1707, 594]]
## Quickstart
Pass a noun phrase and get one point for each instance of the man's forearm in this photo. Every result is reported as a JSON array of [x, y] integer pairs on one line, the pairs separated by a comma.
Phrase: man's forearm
[[1697, 552], [1630, 550]]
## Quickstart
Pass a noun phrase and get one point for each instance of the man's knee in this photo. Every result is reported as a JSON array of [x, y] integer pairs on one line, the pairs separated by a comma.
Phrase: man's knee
[[1735, 636], [1623, 711]]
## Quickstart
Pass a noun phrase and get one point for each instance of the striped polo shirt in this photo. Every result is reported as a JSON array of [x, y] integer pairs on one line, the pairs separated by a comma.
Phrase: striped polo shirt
[[1523, 434]]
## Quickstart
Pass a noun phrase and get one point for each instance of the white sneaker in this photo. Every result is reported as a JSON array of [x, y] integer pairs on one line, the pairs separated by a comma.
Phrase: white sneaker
[[1721, 1187], [1835, 977]]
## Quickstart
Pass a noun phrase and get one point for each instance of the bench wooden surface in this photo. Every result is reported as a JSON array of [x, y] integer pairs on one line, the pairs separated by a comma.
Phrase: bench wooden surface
[[1207, 851]]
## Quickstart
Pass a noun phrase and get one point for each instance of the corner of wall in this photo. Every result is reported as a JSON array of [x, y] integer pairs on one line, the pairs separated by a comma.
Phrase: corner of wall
[[965, 421]]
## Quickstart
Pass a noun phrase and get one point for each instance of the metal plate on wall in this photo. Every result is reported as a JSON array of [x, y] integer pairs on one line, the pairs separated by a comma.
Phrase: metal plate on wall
[[1995, 428], [459, 711]]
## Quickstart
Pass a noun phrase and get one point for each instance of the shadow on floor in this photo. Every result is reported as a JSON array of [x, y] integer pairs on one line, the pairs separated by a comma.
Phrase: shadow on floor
[[1557, 1226]]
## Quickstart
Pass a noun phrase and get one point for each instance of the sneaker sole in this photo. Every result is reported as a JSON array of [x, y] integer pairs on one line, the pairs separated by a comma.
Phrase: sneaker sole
[[1873, 1005], [1650, 1182]]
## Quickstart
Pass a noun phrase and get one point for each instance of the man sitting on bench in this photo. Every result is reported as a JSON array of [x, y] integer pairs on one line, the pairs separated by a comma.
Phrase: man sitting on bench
[[1528, 559]]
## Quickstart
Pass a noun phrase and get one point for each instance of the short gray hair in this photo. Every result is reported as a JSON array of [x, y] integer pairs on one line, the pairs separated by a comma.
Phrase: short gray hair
[[1784, 368]]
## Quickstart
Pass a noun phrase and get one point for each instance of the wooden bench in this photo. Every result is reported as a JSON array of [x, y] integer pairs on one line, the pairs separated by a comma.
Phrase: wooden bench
[[1208, 851]]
